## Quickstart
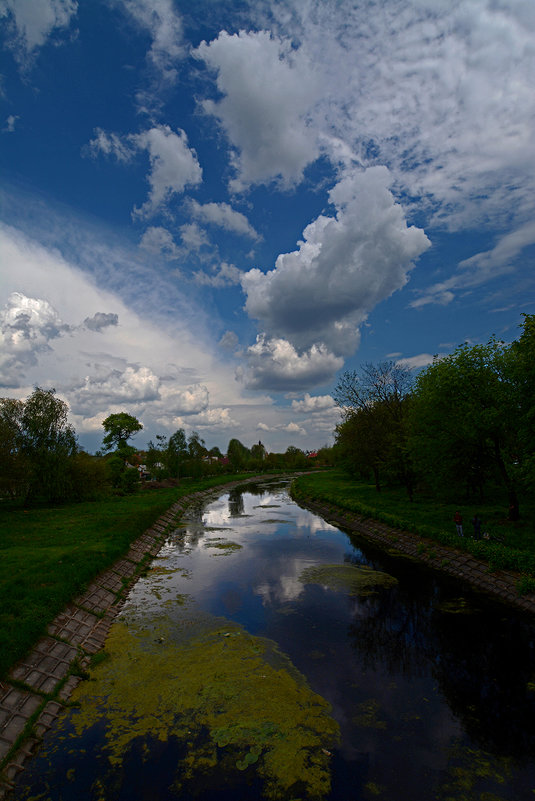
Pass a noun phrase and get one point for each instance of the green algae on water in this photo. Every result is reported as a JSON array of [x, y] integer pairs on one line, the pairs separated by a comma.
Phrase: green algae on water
[[226, 546], [354, 579], [235, 701]]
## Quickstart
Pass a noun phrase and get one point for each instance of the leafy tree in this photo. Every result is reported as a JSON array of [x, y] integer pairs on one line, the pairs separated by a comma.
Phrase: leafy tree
[[294, 458], [238, 455], [177, 452], [49, 443], [14, 466], [378, 399], [119, 428], [196, 446], [464, 421]]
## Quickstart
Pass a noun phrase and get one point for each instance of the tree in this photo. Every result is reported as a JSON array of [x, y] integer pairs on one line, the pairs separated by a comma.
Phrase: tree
[[14, 466], [465, 419], [379, 397], [177, 452], [48, 444], [119, 428], [238, 455]]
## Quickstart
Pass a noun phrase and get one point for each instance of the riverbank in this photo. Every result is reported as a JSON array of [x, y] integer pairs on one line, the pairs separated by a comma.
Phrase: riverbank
[[38, 687], [503, 585]]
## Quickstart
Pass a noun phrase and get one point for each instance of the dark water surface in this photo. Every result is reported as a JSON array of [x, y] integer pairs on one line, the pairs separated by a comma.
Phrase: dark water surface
[[237, 672]]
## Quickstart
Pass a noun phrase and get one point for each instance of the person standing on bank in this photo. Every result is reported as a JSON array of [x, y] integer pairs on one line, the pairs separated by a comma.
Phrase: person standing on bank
[[476, 522], [458, 520]]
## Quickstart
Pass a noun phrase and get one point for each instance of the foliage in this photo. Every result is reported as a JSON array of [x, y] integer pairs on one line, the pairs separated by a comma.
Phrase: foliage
[[373, 436], [119, 428], [39, 447], [464, 421]]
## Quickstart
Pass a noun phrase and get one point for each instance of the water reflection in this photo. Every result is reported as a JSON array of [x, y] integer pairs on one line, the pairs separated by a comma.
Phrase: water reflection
[[431, 687]]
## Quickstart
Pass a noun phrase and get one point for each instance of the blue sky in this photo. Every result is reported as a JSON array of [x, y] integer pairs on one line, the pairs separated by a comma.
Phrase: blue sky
[[209, 210]]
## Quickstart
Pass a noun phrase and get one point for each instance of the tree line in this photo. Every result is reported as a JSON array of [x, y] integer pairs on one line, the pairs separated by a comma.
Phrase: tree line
[[464, 428], [40, 460]]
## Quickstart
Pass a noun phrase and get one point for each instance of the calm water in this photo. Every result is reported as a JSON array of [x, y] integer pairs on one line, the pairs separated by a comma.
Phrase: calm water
[[234, 672]]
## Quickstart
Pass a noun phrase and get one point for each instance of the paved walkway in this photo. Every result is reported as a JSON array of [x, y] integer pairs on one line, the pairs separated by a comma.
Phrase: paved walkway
[[501, 584]]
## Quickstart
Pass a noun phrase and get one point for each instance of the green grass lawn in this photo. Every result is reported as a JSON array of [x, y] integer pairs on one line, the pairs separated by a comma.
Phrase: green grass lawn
[[49, 556], [512, 545]]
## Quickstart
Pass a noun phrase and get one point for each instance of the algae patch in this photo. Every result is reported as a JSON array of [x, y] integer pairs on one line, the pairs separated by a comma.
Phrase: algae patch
[[354, 579], [224, 546], [234, 701]]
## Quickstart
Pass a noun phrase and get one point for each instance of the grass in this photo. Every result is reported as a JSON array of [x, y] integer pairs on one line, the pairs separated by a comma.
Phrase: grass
[[511, 545], [49, 556]]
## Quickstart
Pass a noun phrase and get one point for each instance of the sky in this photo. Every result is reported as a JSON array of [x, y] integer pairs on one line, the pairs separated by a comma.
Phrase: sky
[[211, 209]]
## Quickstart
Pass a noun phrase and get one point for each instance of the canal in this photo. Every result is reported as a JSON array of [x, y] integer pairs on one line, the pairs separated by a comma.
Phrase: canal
[[267, 654]]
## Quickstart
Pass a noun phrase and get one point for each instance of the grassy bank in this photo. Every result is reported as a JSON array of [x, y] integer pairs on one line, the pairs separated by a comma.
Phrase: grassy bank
[[511, 545], [49, 556]]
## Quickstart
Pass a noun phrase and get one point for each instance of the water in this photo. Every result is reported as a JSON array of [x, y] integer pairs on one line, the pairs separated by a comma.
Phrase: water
[[237, 671]]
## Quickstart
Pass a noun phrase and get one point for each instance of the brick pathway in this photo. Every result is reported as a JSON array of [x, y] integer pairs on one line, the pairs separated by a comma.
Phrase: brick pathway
[[40, 685]]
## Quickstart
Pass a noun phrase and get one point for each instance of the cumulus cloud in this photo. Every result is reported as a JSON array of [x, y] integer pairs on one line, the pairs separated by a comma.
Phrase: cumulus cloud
[[193, 236], [217, 419], [344, 267], [190, 400], [101, 320], [173, 165], [311, 404], [30, 23], [106, 387], [268, 88], [274, 364], [27, 325], [224, 216]]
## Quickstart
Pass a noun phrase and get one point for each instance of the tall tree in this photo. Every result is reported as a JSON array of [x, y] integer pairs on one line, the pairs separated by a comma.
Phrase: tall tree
[[49, 444], [379, 397], [119, 428], [238, 454], [464, 420], [177, 452]]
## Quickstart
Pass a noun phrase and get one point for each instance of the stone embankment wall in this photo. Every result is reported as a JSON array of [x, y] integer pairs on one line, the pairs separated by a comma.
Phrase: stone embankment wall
[[501, 584]]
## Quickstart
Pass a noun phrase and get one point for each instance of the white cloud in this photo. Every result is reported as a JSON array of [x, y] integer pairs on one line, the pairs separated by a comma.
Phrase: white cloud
[[10, 123], [191, 400], [415, 362], [311, 404], [27, 325], [160, 241], [440, 92], [193, 236], [268, 88], [110, 144], [215, 419], [345, 266], [173, 165], [105, 388], [480, 268], [30, 23], [274, 364], [164, 25], [223, 274], [224, 216]]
